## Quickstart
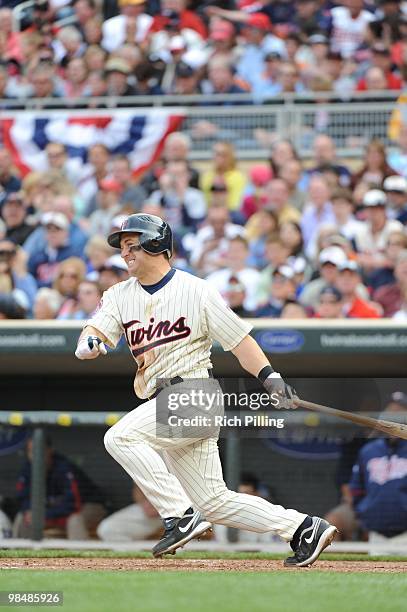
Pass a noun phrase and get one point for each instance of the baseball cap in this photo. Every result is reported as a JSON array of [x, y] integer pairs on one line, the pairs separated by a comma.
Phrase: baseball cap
[[183, 70], [272, 55], [260, 174], [399, 397], [260, 21], [318, 39], [374, 197], [117, 64], [110, 185], [333, 255], [331, 291], [349, 265], [380, 48], [222, 31], [284, 271], [15, 197], [115, 263], [55, 218], [395, 183], [177, 43]]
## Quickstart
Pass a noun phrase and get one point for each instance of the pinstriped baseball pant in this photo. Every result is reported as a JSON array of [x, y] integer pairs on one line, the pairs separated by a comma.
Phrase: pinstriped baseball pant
[[175, 474]]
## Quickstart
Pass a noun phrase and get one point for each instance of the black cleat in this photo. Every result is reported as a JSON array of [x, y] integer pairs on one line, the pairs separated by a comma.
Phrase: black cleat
[[179, 531], [311, 542]]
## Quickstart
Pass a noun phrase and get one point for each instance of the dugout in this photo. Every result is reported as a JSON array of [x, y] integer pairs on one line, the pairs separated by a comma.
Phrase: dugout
[[358, 360]]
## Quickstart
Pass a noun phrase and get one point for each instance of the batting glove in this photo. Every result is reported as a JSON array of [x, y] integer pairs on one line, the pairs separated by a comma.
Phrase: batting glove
[[90, 347], [282, 393]]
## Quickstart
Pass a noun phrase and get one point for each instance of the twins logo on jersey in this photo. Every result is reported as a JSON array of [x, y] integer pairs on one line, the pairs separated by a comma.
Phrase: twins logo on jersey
[[156, 334]]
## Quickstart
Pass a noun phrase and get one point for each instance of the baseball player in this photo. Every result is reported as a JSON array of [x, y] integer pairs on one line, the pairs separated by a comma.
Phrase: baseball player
[[169, 319]]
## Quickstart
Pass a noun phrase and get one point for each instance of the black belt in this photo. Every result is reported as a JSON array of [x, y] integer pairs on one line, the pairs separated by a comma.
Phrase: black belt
[[175, 381]]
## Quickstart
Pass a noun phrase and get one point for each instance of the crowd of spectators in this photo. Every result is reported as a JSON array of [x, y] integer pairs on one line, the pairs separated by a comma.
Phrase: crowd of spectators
[[89, 48], [281, 238]]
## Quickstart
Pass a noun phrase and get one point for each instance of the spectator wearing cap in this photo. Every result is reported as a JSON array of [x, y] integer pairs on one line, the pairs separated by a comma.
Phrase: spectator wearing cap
[[396, 189], [14, 278], [236, 266], [186, 80], [371, 241], [221, 37], [317, 212], [10, 307], [348, 27], [378, 485], [293, 310], [43, 262], [9, 182], [265, 83], [117, 72], [14, 213], [381, 58], [283, 288], [47, 304], [329, 304], [184, 206], [132, 18], [354, 307], [113, 271], [174, 10], [342, 208], [208, 248], [324, 155], [258, 43], [107, 207], [77, 236], [375, 168], [329, 260], [224, 169], [392, 297], [255, 198]]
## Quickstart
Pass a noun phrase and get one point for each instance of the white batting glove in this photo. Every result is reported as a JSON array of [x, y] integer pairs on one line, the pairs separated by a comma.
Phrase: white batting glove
[[90, 347]]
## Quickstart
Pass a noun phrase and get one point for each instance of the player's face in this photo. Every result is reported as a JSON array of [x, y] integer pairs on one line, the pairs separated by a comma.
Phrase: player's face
[[133, 254]]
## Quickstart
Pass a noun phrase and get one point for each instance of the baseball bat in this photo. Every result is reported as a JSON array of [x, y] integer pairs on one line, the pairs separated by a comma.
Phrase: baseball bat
[[393, 429]]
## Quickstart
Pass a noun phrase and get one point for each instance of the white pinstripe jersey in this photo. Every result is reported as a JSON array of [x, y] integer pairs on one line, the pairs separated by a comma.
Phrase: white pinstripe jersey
[[170, 332]]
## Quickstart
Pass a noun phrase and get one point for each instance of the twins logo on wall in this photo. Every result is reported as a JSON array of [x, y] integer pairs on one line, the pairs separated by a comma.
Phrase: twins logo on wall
[[140, 137]]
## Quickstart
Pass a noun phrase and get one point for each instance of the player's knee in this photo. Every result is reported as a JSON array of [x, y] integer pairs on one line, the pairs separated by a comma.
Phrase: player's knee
[[110, 441]]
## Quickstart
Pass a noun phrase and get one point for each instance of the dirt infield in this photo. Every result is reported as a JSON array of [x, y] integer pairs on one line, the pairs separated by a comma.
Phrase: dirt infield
[[197, 565]]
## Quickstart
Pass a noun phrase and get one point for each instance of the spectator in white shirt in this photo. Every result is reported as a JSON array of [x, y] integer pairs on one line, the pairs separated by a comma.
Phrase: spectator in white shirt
[[131, 23], [236, 266], [349, 21]]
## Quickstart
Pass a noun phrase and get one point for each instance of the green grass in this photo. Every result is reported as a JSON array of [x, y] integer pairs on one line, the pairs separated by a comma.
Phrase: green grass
[[308, 591], [110, 554]]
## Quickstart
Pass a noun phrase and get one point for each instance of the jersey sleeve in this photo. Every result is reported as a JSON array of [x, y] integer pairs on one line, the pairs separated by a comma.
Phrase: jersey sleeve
[[222, 324], [107, 318]]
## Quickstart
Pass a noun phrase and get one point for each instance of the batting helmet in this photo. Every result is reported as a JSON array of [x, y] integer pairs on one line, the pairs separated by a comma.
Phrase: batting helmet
[[155, 234]]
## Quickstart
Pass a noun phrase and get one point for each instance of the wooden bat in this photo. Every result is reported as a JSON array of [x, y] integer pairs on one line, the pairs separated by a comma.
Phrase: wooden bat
[[393, 429]]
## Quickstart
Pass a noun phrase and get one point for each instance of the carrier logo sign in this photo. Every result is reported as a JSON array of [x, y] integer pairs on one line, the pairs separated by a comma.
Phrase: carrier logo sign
[[280, 341]]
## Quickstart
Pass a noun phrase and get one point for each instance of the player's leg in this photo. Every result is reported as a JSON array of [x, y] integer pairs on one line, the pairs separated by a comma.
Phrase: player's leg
[[134, 444], [199, 470]]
